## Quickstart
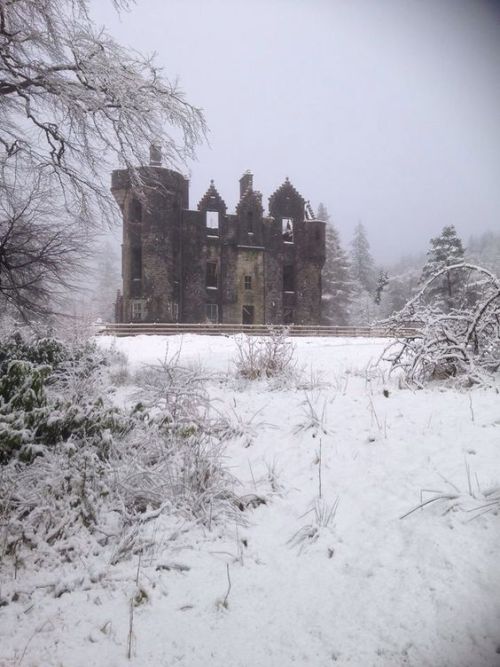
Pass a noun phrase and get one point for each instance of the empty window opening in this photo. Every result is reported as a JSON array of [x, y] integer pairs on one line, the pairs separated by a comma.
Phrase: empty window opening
[[288, 278], [137, 310], [211, 275], [288, 316], [135, 211], [287, 230], [212, 221], [248, 315], [136, 262], [212, 312], [248, 282]]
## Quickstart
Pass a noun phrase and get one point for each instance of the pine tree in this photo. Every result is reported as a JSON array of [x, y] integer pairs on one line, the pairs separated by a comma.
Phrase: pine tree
[[363, 309], [446, 250], [362, 265], [336, 282]]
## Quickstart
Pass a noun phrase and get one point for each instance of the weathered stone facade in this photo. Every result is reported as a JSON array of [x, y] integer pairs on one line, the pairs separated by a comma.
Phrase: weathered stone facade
[[180, 265]]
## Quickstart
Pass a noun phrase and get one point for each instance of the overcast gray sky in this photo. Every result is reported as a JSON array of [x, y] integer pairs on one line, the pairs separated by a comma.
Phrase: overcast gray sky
[[388, 111]]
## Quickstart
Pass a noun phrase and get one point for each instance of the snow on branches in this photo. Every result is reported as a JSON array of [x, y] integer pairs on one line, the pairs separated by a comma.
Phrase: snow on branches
[[74, 104], [463, 342]]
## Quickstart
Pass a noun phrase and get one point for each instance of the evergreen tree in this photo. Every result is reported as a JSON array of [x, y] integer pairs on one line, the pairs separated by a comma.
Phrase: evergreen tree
[[382, 282], [363, 309], [362, 265], [336, 282], [446, 250]]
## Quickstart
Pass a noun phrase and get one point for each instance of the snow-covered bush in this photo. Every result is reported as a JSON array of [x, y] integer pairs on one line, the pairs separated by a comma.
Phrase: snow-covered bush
[[78, 475], [265, 356], [463, 342], [47, 396]]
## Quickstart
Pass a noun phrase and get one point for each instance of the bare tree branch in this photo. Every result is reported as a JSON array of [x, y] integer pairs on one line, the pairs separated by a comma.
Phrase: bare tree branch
[[74, 104]]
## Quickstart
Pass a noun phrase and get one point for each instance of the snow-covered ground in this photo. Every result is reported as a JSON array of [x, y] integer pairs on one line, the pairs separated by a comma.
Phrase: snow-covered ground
[[339, 579]]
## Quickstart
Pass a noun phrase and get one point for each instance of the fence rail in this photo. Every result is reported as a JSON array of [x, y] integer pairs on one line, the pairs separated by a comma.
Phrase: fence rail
[[162, 329]]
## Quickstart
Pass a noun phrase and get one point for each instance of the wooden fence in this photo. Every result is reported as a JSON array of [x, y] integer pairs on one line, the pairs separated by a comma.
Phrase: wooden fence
[[162, 329]]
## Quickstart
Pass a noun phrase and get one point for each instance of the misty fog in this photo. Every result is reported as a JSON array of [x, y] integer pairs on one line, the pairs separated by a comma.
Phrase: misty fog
[[386, 112]]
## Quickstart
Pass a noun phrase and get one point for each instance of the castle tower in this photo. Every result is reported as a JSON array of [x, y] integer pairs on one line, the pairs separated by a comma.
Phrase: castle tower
[[151, 249]]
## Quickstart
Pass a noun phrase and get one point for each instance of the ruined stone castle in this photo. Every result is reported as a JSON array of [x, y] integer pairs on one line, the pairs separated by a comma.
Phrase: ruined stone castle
[[206, 265]]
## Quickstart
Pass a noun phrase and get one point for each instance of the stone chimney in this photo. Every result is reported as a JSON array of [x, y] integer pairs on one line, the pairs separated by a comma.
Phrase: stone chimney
[[246, 182], [155, 155]]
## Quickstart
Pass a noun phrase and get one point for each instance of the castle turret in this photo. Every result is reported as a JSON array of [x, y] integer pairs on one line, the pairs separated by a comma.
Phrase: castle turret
[[151, 249]]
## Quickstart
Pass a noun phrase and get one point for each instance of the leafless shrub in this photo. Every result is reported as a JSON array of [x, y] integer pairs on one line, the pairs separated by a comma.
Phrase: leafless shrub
[[261, 357], [462, 344], [185, 474], [176, 394], [176, 391]]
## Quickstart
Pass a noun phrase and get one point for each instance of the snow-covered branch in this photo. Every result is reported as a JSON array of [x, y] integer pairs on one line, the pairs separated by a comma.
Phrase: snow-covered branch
[[463, 342]]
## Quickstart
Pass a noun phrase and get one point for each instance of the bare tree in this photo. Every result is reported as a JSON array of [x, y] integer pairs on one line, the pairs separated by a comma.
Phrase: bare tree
[[73, 105], [462, 343], [42, 250]]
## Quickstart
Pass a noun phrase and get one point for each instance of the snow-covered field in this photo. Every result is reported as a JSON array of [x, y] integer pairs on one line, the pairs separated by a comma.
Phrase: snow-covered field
[[339, 579]]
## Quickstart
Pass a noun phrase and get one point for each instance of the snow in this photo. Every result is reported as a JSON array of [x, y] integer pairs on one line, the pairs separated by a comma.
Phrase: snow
[[368, 589]]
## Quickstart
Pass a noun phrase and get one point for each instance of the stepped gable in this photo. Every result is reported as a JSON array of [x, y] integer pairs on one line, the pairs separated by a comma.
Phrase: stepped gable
[[251, 199], [212, 201], [287, 202], [286, 190]]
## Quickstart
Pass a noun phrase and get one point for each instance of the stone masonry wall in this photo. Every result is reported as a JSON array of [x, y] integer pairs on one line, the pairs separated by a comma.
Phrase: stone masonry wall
[[172, 246]]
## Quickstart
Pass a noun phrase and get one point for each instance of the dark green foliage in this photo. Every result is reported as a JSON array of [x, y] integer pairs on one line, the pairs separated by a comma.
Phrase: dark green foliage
[[446, 249], [33, 418], [44, 351]]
